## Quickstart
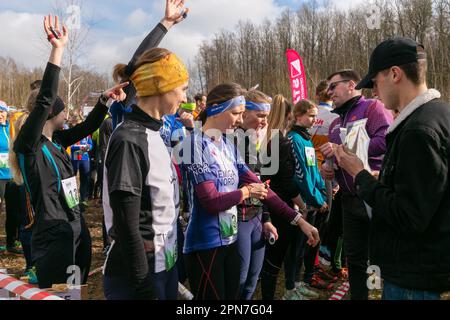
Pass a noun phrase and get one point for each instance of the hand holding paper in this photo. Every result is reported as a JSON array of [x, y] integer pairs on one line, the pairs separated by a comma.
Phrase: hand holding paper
[[349, 161]]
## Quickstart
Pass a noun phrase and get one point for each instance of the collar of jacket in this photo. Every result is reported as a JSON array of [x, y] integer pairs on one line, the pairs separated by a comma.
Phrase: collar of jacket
[[141, 117], [326, 105], [346, 107], [418, 102], [302, 131]]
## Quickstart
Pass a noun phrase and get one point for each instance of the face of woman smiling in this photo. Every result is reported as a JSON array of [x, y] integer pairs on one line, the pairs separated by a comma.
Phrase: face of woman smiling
[[171, 100]]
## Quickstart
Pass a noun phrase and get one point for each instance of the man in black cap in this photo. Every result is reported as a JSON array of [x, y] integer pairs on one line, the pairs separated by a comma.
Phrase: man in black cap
[[410, 231]]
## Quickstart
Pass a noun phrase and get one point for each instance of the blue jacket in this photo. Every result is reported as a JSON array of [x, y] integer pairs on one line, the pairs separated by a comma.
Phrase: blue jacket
[[77, 154], [307, 176], [5, 173]]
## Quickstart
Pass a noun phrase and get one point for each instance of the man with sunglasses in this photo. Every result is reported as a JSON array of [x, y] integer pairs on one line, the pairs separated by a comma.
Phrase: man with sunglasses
[[351, 106]]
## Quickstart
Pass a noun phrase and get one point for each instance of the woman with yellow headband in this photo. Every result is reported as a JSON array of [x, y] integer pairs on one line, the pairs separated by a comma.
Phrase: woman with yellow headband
[[215, 172], [141, 194]]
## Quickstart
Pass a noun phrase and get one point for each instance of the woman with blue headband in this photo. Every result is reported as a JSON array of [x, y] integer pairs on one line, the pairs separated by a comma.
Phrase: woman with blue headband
[[254, 223], [215, 171]]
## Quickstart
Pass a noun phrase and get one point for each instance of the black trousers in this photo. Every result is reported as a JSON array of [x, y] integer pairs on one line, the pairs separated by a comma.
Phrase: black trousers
[[275, 255], [356, 244], [334, 228], [9, 191], [68, 244], [214, 274]]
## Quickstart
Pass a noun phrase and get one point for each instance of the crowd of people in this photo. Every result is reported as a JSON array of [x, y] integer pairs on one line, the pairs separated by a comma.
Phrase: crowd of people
[[235, 186]]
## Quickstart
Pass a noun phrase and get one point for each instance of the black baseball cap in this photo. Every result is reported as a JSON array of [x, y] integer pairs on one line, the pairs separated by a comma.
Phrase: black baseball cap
[[391, 52]]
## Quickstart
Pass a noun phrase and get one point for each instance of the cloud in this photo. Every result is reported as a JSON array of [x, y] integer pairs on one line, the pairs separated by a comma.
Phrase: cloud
[[22, 38], [117, 32], [206, 17], [137, 19]]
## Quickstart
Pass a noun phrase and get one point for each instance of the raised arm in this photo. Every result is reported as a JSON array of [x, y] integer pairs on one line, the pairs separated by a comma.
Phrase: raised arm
[[94, 120], [31, 132], [174, 13]]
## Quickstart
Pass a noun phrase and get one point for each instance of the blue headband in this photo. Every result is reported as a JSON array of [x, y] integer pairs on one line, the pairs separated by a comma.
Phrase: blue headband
[[3, 106], [253, 106], [219, 108]]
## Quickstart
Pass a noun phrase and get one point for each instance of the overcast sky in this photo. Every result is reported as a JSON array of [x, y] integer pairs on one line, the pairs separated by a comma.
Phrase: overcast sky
[[118, 26]]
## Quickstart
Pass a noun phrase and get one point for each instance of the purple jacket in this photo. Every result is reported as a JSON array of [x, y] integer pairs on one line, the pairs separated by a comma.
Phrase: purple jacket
[[379, 119]]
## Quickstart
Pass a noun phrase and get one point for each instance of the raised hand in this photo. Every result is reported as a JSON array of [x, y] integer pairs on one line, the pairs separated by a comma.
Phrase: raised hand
[[116, 92], [175, 12], [54, 35]]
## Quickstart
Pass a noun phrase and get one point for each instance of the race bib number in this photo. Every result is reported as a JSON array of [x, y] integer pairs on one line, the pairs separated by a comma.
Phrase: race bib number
[[4, 160], [70, 190], [171, 251], [310, 156], [228, 224]]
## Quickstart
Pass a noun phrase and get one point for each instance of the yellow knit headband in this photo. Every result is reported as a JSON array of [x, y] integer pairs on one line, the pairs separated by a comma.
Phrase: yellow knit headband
[[162, 76]]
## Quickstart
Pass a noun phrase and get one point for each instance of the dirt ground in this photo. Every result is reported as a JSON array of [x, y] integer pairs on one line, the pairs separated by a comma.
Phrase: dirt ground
[[16, 265]]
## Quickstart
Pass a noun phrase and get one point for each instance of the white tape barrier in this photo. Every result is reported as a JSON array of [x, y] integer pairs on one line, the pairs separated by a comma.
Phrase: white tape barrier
[[24, 290], [341, 292]]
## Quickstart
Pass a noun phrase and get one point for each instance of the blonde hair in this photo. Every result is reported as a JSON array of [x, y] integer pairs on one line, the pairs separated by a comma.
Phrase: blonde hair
[[257, 96], [13, 161], [277, 119]]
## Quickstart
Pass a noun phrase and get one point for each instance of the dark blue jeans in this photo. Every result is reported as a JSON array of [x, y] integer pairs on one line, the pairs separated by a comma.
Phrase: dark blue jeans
[[251, 251], [165, 285], [393, 292]]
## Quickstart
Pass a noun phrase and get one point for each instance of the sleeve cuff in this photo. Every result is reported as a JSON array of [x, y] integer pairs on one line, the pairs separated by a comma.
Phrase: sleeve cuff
[[362, 183]]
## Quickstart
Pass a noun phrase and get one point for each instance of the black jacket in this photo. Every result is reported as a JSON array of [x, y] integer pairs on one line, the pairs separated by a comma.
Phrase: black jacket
[[410, 231], [45, 164], [282, 183]]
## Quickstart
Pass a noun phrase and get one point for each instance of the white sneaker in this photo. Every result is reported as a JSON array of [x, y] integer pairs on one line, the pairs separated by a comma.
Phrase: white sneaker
[[293, 295], [302, 289]]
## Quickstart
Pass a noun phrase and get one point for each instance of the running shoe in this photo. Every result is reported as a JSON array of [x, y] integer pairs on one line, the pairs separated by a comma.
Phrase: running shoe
[[303, 290], [326, 275], [32, 277], [293, 295], [14, 251], [318, 283]]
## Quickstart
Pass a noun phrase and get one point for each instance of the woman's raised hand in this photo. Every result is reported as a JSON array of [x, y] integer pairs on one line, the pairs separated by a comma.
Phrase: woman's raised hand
[[116, 93], [175, 12], [54, 35]]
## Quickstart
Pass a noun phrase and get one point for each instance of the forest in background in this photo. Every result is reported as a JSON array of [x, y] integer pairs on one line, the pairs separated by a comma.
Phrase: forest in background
[[327, 38]]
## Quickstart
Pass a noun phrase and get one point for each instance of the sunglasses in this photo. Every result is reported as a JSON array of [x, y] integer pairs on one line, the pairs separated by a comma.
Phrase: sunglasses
[[333, 85]]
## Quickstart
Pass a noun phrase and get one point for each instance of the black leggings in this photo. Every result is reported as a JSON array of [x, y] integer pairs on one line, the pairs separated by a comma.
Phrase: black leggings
[[9, 191], [214, 274], [275, 255], [62, 251], [334, 229]]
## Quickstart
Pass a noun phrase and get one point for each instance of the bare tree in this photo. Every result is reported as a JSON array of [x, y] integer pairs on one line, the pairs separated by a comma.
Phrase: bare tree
[[328, 39]]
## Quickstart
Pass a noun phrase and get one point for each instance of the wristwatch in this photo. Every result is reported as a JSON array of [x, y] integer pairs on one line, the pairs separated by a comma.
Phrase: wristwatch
[[297, 218]]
